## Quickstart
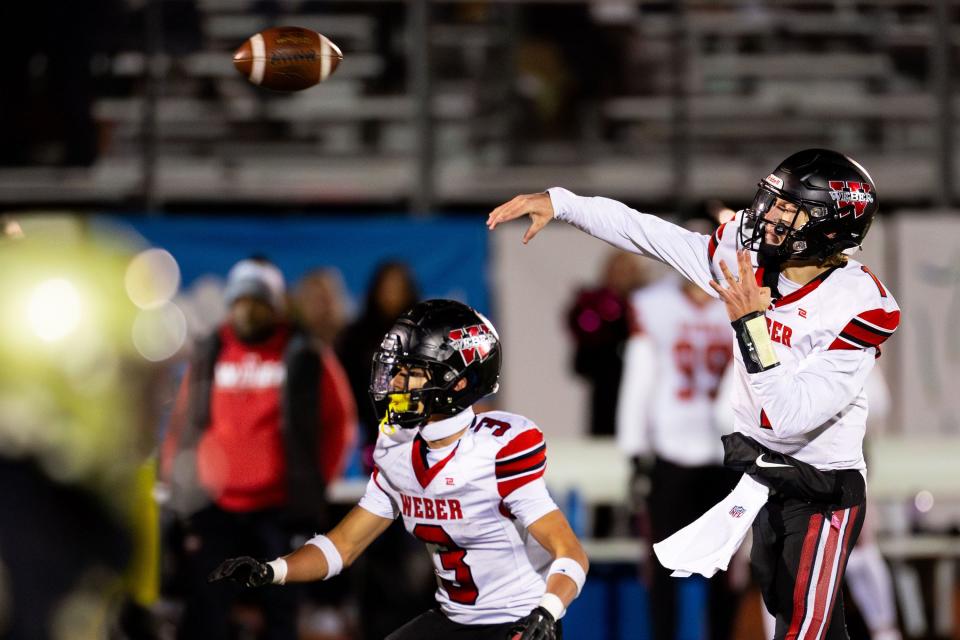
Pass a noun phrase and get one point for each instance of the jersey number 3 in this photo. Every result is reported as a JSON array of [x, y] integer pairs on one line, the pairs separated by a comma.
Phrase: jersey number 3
[[462, 590]]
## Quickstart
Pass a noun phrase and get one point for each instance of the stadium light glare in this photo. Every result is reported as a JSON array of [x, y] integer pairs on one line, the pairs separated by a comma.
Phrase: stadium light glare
[[54, 309]]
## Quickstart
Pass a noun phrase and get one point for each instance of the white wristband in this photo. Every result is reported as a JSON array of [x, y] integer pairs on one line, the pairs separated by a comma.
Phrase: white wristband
[[552, 603], [570, 568], [279, 567], [334, 560]]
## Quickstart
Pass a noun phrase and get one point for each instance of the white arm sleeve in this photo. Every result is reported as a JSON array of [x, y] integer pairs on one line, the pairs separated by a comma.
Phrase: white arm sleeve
[[530, 502], [633, 403], [377, 501], [628, 229], [801, 397]]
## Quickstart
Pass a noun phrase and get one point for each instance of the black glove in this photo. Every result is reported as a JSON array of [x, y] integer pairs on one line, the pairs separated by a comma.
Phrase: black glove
[[536, 625], [244, 570]]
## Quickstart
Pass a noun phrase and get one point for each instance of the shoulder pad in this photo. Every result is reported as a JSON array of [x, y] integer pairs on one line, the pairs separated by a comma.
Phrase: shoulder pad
[[521, 460], [874, 315]]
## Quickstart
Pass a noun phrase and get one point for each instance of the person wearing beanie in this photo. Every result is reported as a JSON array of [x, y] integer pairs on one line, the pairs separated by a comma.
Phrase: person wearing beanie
[[263, 422]]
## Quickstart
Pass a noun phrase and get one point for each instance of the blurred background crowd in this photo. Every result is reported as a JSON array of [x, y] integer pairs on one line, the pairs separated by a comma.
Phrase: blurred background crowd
[[170, 231]]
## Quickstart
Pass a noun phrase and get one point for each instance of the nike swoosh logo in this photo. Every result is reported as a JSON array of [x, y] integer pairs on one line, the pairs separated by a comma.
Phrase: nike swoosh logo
[[771, 465]]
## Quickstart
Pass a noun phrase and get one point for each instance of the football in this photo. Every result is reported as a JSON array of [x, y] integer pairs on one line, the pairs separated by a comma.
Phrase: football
[[287, 58]]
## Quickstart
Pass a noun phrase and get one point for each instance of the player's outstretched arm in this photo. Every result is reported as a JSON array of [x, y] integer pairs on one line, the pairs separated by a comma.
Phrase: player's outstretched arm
[[617, 224], [320, 558]]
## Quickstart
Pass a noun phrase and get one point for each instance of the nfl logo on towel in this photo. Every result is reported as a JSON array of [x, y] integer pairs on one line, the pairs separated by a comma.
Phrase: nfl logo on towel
[[737, 511]]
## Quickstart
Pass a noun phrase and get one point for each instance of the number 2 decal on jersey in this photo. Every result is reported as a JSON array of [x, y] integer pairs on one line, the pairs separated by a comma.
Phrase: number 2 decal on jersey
[[462, 590]]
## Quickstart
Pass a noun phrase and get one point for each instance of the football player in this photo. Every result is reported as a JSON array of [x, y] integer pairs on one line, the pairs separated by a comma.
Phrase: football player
[[469, 485], [808, 324]]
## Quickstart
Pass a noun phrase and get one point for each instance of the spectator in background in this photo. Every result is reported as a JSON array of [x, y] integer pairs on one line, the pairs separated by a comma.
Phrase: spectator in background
[[673, 365], [392, 291], [600, 321], [263, 421], [321, 304]]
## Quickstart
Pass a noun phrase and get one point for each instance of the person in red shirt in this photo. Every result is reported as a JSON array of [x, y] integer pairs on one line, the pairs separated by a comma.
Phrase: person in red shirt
[[263, 422]]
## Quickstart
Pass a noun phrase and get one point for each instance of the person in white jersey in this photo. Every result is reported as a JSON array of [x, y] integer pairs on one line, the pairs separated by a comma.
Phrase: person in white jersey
[[809, 322], [470, 485], [672, 366]]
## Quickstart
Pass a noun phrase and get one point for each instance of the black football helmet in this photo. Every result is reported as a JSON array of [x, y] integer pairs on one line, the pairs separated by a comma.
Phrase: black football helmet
[[837, 195], [445, 342]]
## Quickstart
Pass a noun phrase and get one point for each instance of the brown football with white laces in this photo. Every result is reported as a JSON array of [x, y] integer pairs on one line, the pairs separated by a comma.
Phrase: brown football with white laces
[[287, 58]]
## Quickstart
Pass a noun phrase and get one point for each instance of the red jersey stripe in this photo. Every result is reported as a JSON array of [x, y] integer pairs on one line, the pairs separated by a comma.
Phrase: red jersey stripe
[[804, 290], [526, 440], [884, 320], [523, 463], [506, 487], [807, 557], [827, 566], [851, 522], [876, 281], [715, 240], [869, 329]]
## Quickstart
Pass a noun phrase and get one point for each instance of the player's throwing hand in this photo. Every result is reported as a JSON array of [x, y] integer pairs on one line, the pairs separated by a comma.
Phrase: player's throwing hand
[[536, 625], [537, 205], [244, 570], [742, 296]]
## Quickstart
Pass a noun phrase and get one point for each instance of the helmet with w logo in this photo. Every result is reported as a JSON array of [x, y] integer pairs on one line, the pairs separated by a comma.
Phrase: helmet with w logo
[[835, 199], [438, 358]]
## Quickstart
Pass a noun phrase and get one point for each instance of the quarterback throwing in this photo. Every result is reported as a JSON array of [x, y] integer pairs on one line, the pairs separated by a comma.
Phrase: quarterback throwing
[[809, 323]]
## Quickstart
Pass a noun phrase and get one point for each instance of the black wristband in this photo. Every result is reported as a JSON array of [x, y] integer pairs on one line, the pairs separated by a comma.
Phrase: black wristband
[[754, 341]]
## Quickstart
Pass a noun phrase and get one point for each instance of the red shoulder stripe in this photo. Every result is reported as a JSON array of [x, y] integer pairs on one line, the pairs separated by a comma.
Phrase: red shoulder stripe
[[869, 329], [879, 319], [522, 463], [506, 487], [715, 240], [529, 439], [841, 344]]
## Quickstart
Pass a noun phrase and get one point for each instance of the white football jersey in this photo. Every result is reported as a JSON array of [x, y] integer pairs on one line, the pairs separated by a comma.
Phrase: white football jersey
[[472, 504], [670, 384], [826, 333]]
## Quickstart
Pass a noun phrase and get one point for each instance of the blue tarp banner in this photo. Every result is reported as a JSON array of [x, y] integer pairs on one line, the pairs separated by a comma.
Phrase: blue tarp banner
[[449, 257]]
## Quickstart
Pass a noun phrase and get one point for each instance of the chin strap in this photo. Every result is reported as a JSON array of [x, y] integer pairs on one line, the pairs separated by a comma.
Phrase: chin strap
[[771, 263]]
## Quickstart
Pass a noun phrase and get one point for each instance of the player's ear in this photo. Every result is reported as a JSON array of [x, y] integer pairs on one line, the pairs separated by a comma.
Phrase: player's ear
[[461, 385]]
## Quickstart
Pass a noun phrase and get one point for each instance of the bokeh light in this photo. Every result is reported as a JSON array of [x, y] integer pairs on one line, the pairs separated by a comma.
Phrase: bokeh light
[[152, 278], [54, 309], [158, 334], [923, 501]]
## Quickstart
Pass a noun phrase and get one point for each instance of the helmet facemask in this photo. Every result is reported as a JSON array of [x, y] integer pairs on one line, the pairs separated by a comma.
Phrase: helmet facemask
[[406, 391], [794, 227]]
